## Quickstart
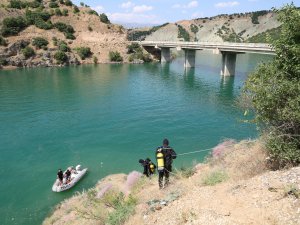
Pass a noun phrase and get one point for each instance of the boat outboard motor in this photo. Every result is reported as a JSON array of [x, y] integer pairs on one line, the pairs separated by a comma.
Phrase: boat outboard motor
[[78, 167]]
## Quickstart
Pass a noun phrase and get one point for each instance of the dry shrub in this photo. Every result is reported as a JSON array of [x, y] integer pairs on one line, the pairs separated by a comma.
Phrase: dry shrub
[[243, 160], [131, 180], [106, 188]]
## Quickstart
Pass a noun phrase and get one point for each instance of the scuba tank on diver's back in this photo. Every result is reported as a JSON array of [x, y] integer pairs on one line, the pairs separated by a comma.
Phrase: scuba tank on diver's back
[[160, 160], [152, 168]]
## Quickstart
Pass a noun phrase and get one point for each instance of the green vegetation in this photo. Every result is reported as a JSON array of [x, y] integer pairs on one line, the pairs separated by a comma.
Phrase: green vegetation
[[104, 18], [141, 35], [95, 60], [84, 52], [55, 41], [133, 48], [17, 4], [92, 12], [182, 33], [39, 19], [137, 53], [3, 62], [28, 52], [122, 208], [115, 56], [82, 4], [255, 15], [65, 12], [53, 5], [68, 30], [266, 36], [194, 28], [76, 9], [229, 35], [60, 57], [273, 89], [58, 12], [3, 42], [214, 178], [63, 46], [40, 42], [68, 3], [186, 172], [12, 26], [62, 27]]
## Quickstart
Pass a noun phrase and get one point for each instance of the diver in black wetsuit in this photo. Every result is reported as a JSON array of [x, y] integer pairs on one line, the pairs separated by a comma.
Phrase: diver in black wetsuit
[[164, 155], [68, 175], [145, 165], [60, 176]]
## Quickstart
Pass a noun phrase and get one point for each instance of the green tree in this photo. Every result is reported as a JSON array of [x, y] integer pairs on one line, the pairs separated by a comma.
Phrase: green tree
[[274, 91], [60, 57], [58, 12], [194, 28], [104, 18], [76, 9], [40, 42], [115, 56], [62, 46], [68, 3], [16, 4], [182, 33], [95, 60], [3, 42], [65, 12], [53, 5], [84, 52], [28, 52], [13, 25]]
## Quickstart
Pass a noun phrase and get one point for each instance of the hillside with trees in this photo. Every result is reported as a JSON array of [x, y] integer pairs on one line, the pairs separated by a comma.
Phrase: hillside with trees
[[56, 32], [239, 27]]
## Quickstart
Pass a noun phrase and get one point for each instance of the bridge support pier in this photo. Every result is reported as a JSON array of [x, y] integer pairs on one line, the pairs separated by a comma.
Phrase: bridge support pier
[[228, 63], [190, 58], [165, 55]]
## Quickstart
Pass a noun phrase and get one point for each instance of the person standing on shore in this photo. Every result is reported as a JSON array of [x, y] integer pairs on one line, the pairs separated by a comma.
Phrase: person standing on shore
[[164, 155]]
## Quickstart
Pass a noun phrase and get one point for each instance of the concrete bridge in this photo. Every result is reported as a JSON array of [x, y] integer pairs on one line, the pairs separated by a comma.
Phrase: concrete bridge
[[228, 50]]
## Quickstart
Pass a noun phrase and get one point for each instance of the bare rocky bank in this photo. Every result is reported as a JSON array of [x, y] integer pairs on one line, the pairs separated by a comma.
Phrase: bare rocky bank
[[234, 186]]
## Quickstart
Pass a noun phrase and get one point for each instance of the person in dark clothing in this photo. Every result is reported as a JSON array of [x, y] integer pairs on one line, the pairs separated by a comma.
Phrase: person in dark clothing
[[149, 167], [68, 175], [165, 155], [60, 176], [145, 165]]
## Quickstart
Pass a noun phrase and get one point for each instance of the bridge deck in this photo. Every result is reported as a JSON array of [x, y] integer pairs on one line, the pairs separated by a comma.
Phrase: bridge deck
[[223, 47]]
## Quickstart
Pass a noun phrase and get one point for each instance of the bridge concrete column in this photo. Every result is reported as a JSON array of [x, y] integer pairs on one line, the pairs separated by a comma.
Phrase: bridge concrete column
[[190, 58], [165, 55], [228, 63]]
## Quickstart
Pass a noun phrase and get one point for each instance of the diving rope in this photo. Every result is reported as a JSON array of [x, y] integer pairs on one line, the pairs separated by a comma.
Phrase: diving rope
[[204, 150]]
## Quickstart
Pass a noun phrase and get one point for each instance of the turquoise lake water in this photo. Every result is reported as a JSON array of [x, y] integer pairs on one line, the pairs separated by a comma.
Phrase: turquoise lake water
[[107, 117]]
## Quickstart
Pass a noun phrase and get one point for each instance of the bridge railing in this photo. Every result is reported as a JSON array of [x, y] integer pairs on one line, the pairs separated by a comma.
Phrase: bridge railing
[[205, 43]]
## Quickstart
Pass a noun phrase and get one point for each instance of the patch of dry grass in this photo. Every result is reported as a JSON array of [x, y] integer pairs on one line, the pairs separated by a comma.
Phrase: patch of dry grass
[[242, 160]]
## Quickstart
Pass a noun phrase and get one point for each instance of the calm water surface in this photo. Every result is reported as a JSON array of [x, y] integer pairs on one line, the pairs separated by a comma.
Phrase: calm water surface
[[106, 118]]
